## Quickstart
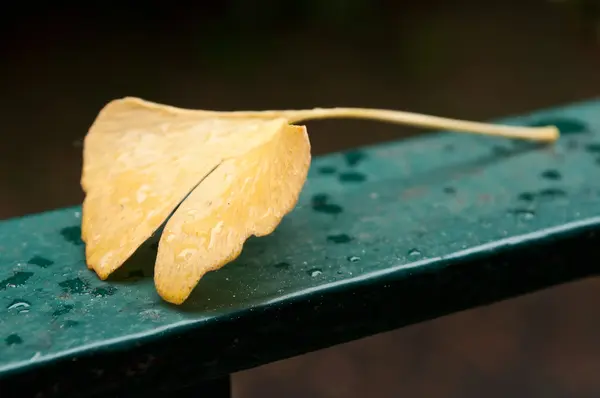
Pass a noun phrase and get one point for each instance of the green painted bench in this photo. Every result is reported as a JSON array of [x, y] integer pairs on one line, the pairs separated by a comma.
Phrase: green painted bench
[[382, 237]]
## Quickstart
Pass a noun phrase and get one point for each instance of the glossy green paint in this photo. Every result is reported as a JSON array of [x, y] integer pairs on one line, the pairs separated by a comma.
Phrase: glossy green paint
[[365, 219]]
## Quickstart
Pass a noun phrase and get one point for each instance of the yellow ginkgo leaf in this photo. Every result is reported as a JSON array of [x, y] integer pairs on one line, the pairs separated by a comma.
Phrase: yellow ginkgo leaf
[[245, 171], [140, 162]]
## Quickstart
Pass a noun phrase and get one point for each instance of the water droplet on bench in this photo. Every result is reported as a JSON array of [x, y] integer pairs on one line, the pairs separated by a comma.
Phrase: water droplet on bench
[[527, 196], [18, 279], [13, 339], [40, 261], [552, 193], [72, 235], [354, 158], [353, 259], [523, 214], [315, 272], [19, 306], [320, 203], [352, 176], [341, 238], [74, 286], [69, 324], [104, 291], [593, 148], [551, 175], [64, 309], [327, 170], [414, 253]]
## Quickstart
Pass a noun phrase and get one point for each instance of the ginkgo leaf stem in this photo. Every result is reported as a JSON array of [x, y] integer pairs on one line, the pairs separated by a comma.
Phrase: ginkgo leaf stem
[[544, 133]]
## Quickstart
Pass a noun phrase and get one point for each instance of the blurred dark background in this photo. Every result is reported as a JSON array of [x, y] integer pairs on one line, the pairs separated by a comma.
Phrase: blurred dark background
[[466, 59]]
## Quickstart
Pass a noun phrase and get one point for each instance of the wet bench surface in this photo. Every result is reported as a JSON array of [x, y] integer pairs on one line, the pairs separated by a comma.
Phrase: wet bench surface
[[382, 237]]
